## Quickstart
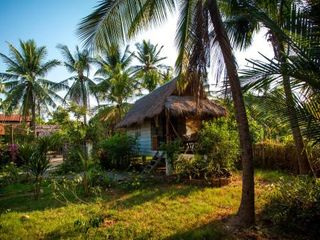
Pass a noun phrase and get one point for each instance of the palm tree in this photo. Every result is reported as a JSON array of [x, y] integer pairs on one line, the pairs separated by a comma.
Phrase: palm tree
[[116, 81], [24, 79], [82, 86], [149, 70], [115, 20], [277, 17]]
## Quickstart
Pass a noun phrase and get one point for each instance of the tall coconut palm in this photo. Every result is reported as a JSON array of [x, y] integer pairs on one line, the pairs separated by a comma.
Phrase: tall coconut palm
[[276, 15], [115, 20], [24, 79], [116, 82], [149, 69], [82, 86]]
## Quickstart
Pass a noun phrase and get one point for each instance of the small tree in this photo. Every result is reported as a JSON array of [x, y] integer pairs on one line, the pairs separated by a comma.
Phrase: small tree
[[38, 162]]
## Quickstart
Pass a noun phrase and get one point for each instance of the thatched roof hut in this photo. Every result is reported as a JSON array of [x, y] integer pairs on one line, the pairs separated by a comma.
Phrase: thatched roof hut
[[167, 98], [166, 114]]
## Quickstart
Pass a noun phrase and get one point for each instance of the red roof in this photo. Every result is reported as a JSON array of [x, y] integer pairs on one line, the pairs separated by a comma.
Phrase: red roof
[[12, 118]]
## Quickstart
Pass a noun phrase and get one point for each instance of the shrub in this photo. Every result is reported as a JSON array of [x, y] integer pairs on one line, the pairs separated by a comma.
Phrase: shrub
[[9, 174], [98, 177], [4, 154], [199, 167], [193, 167], [25, 151], [117, 151], [72, 161], [220, 144], [172, 150], [70, 189], [294, 207]]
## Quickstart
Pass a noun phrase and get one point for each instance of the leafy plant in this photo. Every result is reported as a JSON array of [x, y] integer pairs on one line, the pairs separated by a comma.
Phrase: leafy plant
[[98, 177], [220, 144], [9, 174], [117, 151], [68, 190], [172, 150], [24, 79], [294, 206], [38, 162], [72, 162], [84, 226]]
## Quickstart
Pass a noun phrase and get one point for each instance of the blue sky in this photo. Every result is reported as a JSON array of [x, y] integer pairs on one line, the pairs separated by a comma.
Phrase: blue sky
[[47, 22]]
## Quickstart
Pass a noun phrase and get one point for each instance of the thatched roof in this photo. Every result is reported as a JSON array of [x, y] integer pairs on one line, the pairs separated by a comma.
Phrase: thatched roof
[[187, 106], [163, 97]]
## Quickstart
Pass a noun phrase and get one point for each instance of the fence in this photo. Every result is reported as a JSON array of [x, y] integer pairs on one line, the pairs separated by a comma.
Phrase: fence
[[275, 155]]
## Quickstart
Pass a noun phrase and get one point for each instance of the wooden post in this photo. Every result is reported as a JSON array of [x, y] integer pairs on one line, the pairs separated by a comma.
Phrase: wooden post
[[167, 126], [12, 134], [168, 161]]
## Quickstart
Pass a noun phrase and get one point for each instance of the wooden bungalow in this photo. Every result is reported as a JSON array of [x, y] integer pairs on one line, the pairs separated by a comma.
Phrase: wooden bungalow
[[165, 114]]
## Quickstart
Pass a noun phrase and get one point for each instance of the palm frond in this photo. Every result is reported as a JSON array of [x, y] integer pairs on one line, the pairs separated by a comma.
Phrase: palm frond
[[115, 20]]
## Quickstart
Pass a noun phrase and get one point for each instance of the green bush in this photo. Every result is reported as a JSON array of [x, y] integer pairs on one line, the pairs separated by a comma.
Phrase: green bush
[[72, 161], [117, 151], [26, 150], [4, 154], [219, 144], [294, 207], [9, 174], [98, 177]]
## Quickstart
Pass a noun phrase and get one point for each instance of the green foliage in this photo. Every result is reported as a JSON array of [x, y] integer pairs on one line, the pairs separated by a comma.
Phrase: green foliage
[[78, 64], [172, 150], [217, 152], [24, 79], [72, 161], [38, 162], [60, 116], [192, 167], [98, 177], [220, 143], [4, 154], [264, 118], [70, 189], [150, 71], [9, 174], [26, 150], [84, 226], [294, 207], [117, 151]]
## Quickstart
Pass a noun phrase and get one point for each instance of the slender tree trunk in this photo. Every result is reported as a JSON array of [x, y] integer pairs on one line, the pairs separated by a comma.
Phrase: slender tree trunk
[[33, 116], [304, 166], [85, 103], [246, 214]]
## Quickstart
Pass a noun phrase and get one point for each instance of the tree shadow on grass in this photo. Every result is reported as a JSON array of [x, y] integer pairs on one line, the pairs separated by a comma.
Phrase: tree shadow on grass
[[212, 230], [158, 192], [24, 202]]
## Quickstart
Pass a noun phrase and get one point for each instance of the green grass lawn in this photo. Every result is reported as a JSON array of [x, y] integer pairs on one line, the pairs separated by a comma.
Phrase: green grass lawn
[[161, 211]]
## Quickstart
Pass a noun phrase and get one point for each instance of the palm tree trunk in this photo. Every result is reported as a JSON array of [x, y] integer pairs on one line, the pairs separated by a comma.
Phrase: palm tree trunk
[[304, 166], [246, 214], [85, 101], [33, 116]]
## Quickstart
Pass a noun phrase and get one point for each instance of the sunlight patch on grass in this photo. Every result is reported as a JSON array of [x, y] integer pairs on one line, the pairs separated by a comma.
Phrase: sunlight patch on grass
[[163, 211]]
